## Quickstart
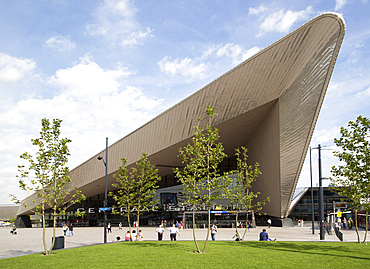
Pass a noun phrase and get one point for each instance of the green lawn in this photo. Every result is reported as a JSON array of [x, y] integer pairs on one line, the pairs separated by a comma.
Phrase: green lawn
[[220, 254]]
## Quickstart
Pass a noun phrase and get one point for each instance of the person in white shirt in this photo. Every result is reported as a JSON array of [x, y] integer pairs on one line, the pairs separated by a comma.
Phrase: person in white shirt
[[213, 231], [173, 232], [133, 235], [160, 232]]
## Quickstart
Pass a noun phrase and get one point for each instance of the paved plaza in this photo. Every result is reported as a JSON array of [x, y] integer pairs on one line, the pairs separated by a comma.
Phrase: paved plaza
[[29, 240]]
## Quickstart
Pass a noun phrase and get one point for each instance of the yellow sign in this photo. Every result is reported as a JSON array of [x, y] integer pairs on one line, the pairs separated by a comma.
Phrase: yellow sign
[[339, 214]]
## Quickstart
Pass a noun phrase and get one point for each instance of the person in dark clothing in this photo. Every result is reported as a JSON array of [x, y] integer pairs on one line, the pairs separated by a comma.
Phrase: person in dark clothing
[[264, 236]]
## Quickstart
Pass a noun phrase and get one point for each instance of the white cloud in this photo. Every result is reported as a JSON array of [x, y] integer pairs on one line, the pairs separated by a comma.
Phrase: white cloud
[[93, 103], [365, 93], [136, 38], [280, 21], [61, 43], [198, 68], [340, 4], [116, 21], [13, 69], [185, 67]]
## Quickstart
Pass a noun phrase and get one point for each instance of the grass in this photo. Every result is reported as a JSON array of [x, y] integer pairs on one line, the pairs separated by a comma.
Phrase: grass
[[220, 254]]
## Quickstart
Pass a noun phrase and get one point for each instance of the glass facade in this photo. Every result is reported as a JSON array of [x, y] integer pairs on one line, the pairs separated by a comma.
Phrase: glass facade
[[303, 209]]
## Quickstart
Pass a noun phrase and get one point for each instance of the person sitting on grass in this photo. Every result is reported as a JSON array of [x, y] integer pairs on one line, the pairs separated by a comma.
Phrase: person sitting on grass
[[237, 236], [127, 236], [264, 236]]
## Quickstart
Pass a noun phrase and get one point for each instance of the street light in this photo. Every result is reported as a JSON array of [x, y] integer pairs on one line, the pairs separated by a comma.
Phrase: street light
[[321, 199], [100, 158], [321, 196], [312, 207]]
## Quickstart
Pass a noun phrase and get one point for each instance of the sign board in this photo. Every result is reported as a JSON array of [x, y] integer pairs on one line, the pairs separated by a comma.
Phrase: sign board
[[103, 209], [341, 205], [339, 214]]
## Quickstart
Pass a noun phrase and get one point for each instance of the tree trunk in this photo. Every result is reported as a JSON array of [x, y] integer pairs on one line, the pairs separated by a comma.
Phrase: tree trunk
[[366, 228], [195, 240], [53, 240], [358, 235], [43, 231], [137, 226], [209, 228], [246, 227], [129, 223]]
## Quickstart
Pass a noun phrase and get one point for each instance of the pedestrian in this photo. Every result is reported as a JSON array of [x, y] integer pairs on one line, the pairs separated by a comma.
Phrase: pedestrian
[[248, 226], [13, 231], [302, 222], [165, 223], [177, 224], [269, 222], [299, 223], [127, 236], [213, 231], [65, 229], [181, 225], [109, 228], [120, 226], [350, 223], [173, 232], [70, 228], [160, 232]]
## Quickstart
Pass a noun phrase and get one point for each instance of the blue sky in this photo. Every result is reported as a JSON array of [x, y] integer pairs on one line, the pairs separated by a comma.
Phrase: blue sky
[[107, 67]]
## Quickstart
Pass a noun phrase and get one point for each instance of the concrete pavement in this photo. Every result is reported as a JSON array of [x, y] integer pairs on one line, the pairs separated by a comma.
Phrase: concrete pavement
[[29, 240]]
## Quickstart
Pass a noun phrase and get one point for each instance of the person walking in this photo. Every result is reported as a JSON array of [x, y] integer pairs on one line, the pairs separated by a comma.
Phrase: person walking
[[173, 232], [269, 222], [120, 226], [109, 227], [213, 231], [65, 228], [70, 228], [160, 232]]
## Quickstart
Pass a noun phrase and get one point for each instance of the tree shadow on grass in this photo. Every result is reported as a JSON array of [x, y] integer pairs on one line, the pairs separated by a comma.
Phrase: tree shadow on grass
[[338, 250]]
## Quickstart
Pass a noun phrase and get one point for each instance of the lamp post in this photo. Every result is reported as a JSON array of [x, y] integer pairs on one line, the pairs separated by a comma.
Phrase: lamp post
[[106, 187], [321, 199], [312, 206]]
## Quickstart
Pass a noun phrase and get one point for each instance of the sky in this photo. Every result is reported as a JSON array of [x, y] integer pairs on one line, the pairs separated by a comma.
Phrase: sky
[[107, 67]]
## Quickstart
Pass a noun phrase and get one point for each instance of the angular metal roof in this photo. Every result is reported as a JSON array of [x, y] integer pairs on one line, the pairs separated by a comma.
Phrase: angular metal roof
[[269, 103]]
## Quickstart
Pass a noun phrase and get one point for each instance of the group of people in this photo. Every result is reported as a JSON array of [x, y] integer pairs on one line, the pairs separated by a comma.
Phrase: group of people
[[174, 231], [344, 223], [300, 223], [67, 228]]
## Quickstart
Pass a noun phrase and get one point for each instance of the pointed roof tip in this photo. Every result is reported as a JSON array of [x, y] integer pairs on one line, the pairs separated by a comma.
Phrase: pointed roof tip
[[337, 15]]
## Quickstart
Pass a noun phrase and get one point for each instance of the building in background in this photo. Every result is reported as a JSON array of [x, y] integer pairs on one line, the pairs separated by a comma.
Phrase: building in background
[[269, 104]]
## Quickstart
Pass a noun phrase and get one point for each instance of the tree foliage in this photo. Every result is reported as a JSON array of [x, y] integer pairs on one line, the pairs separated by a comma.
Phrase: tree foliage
[[47, 175], [352, 175], [240, 191], [200, 177], [135, 189]]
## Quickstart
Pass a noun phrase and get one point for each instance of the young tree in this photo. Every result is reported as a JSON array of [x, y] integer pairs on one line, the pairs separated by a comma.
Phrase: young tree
[[352, 176], [48, 175], [240, 191], [201, 179], [135, 189]]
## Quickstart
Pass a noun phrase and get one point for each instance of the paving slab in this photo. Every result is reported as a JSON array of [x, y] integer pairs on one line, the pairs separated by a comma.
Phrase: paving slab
[[29, 240]]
